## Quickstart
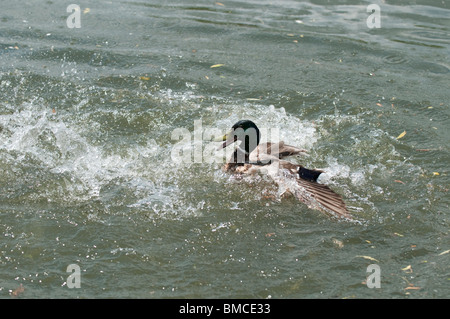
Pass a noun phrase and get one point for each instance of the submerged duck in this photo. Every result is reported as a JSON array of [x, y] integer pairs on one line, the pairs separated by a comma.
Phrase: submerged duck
[[251, 157]]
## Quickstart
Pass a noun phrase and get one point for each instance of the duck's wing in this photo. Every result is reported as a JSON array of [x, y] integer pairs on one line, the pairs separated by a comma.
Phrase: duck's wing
[[288, 150], [325, 197], [302, 183], [270, 150]]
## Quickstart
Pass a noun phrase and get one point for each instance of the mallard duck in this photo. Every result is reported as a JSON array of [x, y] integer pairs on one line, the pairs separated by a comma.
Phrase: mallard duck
[[251, 157]]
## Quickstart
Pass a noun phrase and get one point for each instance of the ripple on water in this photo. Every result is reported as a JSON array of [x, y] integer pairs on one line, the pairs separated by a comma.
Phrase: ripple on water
[[395, 59]]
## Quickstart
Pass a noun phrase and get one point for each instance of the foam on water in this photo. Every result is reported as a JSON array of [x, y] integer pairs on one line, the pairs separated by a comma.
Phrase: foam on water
[[57, 147], [143, 177]]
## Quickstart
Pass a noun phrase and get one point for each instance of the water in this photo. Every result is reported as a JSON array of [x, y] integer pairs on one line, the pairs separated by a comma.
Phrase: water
[[87, 178]]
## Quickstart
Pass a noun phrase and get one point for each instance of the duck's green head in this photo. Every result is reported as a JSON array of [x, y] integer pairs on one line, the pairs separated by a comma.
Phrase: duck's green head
[[245, 131]]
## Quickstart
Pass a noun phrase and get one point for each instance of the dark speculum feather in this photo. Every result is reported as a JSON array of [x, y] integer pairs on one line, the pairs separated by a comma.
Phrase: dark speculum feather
[[308, 174]]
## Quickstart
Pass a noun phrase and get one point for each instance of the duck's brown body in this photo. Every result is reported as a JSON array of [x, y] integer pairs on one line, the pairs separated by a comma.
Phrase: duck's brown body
[[267, 158]]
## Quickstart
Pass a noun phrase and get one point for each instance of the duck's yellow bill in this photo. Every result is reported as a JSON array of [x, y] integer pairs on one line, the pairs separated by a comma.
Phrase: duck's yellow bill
[[228, 139], [220, 138]]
